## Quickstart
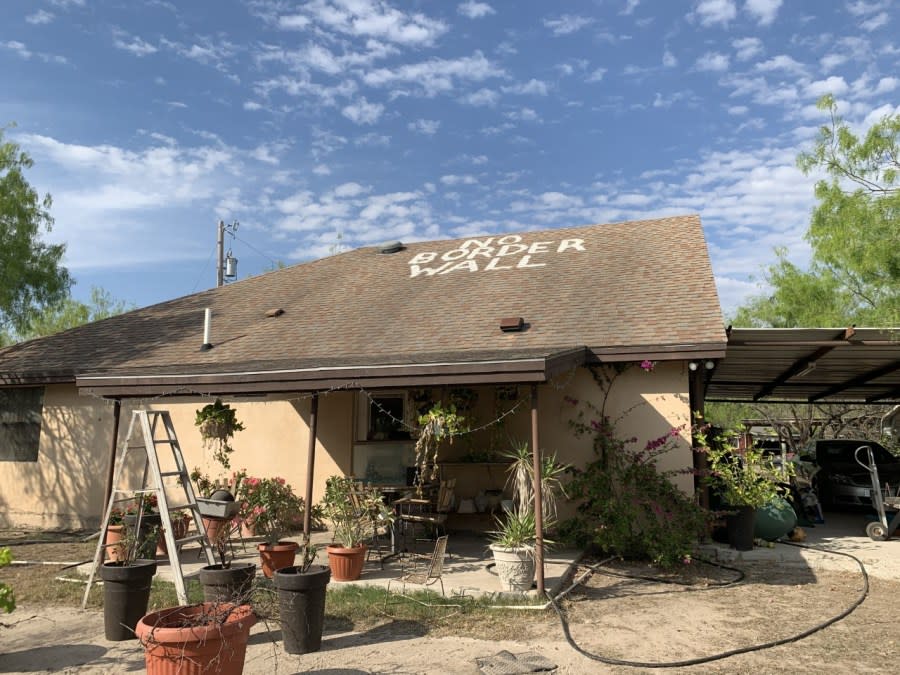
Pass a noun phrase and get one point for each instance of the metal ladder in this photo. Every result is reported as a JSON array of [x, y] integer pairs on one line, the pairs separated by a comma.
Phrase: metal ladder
[[142, 435]]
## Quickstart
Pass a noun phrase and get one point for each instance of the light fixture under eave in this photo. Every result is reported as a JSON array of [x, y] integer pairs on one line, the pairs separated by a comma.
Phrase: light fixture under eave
[[709, 365], [693, 365]]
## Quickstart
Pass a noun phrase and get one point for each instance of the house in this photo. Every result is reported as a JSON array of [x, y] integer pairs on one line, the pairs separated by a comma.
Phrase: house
[[509, 324]]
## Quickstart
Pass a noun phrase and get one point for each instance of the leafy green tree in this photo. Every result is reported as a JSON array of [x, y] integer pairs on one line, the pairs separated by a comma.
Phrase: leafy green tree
[[71, 313], [31, 275], [854, 272]]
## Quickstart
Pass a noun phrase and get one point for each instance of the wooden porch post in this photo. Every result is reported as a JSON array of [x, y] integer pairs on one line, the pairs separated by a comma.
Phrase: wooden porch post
[[538, 497], [310, 465], [110, 472]]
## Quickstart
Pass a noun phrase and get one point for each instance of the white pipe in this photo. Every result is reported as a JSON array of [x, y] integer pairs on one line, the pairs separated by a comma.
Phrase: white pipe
[[207, 324]]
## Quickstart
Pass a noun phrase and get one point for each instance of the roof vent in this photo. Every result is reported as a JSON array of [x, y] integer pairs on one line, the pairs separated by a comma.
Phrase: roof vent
[[392, 247], [512, 324], [272, 313]]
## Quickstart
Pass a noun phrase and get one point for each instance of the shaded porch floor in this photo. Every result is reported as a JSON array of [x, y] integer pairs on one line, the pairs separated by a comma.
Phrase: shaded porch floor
[[467, 569]]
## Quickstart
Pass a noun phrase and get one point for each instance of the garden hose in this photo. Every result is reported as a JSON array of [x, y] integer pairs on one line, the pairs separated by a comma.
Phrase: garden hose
[[732, 652]]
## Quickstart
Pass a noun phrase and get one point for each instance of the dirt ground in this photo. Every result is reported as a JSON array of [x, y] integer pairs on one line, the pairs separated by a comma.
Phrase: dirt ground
[[609, 616]]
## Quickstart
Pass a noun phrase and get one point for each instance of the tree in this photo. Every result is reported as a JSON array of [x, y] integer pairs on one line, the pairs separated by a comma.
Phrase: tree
[[70, 313], [31, 275], [854, 272]]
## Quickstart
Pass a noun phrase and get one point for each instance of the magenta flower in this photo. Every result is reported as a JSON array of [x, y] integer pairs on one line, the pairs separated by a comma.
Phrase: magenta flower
[[648, 365]]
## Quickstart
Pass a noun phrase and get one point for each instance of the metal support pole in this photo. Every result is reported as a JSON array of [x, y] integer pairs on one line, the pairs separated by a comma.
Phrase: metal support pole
[[110, 472], [696, 392], [220, 254], [310, 465], [538, 497]]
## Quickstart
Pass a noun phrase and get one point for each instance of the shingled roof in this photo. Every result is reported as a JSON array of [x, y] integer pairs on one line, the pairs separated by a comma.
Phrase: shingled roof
[[428, 313]]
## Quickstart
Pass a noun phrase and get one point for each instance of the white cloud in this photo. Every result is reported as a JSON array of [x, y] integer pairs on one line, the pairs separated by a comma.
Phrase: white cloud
[[533, 87], [567, 24], [452, 180], [321, 170], [831, 61], [424, 127], [746, 48], [832, 85], [523, 115], [596, 75], [863, 8], [738, 110], [350, 190], [482, 97], [630, 6], [370, 18], [875, 22], [363, 112], [252, 105], [293, 22], [764, 11], [134, 45], [436, 75], [669, 60], [712, 12], [712, 62], [475, 10], [783, 63], [22, 50], [40, 17]]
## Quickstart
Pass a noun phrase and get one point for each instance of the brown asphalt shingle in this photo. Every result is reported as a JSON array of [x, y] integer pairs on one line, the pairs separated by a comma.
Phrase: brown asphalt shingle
[[644, 283]]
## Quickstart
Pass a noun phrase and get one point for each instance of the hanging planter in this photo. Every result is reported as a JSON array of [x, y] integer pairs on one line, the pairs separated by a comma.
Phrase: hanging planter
[[218, 423], [437, 424]]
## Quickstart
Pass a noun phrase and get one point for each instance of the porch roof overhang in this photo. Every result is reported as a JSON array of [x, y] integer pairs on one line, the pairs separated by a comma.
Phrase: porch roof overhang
[[399, 372], [808, 365], [534, 366]]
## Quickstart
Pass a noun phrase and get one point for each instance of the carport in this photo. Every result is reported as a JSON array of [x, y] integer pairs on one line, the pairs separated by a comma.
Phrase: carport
[[807, 365]]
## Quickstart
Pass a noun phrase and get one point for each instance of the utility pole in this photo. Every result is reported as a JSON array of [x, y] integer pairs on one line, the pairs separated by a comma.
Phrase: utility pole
[[226, 264]]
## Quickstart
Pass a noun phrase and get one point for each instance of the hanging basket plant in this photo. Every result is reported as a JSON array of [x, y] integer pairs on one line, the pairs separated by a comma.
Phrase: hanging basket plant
[[218, 423], [437, 424]]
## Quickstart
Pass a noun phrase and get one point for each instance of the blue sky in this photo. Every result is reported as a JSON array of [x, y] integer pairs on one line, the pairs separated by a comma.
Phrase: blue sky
[[340, 123]]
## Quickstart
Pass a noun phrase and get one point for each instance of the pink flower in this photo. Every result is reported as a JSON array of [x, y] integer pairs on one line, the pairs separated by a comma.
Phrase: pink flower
[[647, 365]]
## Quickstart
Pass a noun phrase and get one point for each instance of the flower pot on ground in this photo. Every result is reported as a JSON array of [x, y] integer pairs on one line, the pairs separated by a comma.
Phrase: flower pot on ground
[[745, 479], [277, 555], [301, 605], [351, 509], [228, 582], [194, 639], [113, 546], [515, 567], [272, 507], [346, 562], [126, 592], [180, 523]]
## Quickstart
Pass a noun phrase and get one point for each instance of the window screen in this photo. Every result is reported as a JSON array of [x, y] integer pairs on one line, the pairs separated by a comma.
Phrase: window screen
[[20, 423]]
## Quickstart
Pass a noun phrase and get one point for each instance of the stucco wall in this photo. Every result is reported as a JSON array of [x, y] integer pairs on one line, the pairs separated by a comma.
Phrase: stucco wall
[[64, 488]]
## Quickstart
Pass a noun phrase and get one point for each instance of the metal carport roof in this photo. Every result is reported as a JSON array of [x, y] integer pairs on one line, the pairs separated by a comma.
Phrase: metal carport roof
[[808, 365]]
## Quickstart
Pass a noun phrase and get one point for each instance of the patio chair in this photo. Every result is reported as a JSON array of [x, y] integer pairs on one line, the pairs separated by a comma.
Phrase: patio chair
[[428, 514], [426, 574], [378, 543]]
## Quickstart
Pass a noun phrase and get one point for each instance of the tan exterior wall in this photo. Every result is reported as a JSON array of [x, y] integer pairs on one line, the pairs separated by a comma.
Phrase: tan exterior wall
[[64, 488]]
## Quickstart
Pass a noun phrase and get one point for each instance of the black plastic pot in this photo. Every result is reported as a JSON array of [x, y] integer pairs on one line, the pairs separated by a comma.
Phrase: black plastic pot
[[233, 584], [150, 523], [126, 592], [301, 602], [740, 526]]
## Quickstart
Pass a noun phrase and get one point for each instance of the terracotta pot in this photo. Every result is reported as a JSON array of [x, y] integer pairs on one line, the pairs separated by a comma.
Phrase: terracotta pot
[[175, 641], [113, 549], [346, 563], [275, 556], [179, 530], [248, 528], [213, 528]]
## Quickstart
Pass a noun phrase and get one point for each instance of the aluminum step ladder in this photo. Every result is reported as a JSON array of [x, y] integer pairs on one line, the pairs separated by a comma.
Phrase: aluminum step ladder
[[149, 431]]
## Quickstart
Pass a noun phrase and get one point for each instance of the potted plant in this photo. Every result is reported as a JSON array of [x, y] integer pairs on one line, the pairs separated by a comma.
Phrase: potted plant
[[142, 518], [126, 585], [514, 541], [437, 424], [115, 532], [209, 637], [271, 505], [180, 522], [746, 479], [351, 510], [218, 423], [301, 602], [226, 580]]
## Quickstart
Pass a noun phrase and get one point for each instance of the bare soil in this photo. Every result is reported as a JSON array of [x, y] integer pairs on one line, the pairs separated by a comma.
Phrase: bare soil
[[611, 617]]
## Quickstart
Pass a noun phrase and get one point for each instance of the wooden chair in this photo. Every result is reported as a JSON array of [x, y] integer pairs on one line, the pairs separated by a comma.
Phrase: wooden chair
[[425, 575]]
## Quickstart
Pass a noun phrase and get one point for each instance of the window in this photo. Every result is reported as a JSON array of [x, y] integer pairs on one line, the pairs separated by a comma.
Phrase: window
[[386, 418], [20, 423]]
